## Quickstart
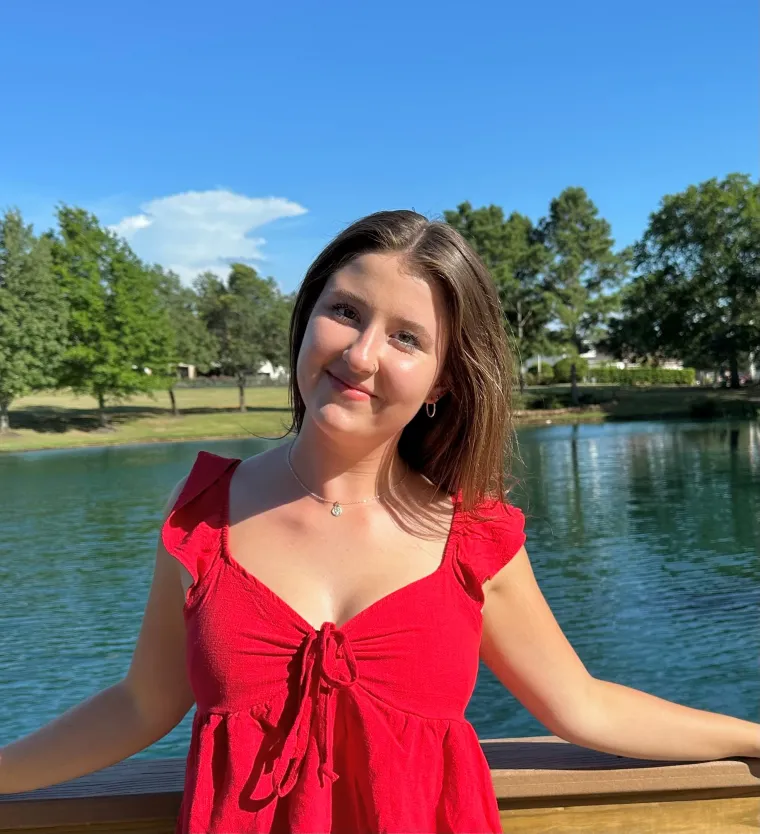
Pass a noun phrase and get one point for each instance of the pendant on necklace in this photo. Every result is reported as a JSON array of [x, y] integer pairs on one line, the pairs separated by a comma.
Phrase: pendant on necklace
[[336, 509]]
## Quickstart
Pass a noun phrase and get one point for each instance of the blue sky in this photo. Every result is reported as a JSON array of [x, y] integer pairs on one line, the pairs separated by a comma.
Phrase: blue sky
[[213, 130]]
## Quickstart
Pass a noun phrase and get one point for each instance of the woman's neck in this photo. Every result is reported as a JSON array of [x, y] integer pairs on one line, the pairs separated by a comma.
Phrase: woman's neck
[[340, 472]]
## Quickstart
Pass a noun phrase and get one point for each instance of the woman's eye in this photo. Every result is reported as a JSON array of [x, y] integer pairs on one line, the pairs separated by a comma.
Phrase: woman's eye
[[409, 341], [343, 311]]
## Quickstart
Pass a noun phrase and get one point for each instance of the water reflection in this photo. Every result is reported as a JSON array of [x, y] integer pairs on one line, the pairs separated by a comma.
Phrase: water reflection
[[644, 538]]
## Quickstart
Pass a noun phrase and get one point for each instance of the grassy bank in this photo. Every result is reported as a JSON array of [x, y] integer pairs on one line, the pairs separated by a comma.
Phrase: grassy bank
[[61, 420], [612, 402]]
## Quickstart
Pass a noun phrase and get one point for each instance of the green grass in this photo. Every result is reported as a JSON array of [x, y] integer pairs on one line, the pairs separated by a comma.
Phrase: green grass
[[62, 420], [58, 420], [657, 402]]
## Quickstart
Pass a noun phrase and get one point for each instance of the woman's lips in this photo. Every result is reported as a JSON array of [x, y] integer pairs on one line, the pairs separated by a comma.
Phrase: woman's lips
[[347, 390]]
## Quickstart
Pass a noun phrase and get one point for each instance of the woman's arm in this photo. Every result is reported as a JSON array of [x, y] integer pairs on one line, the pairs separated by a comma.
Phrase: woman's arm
[[127, 717], [632, 723], [526, 649]]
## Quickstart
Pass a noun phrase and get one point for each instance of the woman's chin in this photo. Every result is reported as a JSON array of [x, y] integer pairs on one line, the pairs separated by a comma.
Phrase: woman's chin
[[346, 424], [334, 418]]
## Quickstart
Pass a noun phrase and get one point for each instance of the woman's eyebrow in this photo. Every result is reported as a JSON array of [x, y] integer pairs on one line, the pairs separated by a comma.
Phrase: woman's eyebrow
[[348, 295]]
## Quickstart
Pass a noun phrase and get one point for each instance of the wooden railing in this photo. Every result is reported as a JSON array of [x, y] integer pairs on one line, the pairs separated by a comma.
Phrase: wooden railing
[[543, 785]]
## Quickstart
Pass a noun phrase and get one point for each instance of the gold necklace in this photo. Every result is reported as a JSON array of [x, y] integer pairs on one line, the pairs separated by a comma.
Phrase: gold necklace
[[337, 507]]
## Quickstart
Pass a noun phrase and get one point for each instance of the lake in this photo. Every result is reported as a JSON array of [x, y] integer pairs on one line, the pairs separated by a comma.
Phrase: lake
[[644, 537]]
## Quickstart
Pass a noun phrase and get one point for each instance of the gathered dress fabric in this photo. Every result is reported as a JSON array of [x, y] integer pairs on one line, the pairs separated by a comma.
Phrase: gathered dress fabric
[[357, 728]]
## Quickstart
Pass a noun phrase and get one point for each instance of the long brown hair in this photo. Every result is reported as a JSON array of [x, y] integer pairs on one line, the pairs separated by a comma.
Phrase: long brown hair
[[467, 446]]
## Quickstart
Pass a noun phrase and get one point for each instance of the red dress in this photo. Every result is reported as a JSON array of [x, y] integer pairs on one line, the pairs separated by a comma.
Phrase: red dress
[[352, 729]]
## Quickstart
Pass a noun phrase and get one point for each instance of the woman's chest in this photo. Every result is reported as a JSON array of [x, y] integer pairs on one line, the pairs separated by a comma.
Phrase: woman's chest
[[331, 570], [415, 648]]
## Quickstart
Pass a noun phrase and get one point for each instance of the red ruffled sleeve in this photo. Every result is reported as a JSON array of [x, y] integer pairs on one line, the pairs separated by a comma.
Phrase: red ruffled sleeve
[[192, 532], [486, 546]]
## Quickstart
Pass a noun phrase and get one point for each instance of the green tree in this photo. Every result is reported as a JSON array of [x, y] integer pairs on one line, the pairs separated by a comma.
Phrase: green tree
[[516, 257], [696, 296], [189, 339], [33, 314], [649, 309], [563, 369], [248, 318], [118, 337], [584, 273]]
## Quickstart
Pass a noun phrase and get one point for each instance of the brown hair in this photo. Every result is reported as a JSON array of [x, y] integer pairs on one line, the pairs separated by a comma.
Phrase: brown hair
[[467, 446]]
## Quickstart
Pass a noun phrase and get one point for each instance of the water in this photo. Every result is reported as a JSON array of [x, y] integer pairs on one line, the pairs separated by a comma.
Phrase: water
[[644, 537]]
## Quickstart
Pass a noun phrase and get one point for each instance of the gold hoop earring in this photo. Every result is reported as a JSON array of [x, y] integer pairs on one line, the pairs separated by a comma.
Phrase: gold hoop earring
[[430, 411]]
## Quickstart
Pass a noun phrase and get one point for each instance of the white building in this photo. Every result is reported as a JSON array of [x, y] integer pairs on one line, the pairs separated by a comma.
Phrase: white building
[[275, 374], [594, 359]]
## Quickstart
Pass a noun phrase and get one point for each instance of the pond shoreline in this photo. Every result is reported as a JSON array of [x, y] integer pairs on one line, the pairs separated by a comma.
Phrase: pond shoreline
[[64, 421], [523, 419], [564, 415]]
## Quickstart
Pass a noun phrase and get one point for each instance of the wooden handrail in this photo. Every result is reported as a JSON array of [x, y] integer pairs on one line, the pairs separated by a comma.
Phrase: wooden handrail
[[527, 773]]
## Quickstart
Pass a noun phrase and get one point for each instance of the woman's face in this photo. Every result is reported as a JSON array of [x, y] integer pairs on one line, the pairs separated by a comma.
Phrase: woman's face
[[373, 349]]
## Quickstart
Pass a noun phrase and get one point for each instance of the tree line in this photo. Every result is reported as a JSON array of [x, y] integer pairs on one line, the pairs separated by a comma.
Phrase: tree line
[[79, 310], [688, 290]]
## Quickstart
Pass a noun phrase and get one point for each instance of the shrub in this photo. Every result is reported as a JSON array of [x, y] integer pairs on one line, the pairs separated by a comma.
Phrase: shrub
[[707, 408], [546, 401], [554, 401], [562, 369], [546, 376], [642, 376], [704, 409]]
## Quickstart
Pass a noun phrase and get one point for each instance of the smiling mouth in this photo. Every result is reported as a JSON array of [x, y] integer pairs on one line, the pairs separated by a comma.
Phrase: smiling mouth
[[347, 388]]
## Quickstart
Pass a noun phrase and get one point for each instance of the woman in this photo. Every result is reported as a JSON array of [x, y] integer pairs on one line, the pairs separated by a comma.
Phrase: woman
[[325, 603]]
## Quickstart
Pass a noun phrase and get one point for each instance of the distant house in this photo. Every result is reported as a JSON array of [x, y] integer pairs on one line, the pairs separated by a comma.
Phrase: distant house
[[266, 372], [275, 374], [594, 358], [538, 362]]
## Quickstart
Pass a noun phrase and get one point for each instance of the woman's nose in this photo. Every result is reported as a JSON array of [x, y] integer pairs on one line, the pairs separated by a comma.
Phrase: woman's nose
[[362, 356]]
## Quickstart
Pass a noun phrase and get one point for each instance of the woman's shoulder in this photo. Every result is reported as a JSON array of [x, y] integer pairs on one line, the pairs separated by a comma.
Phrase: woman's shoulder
[[262, 463], [207, 469], [491, 535], [257, 483], [493, 519]]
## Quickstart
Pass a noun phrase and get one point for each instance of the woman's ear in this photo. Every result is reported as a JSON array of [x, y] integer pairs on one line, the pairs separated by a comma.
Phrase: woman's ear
[[441, 386], [436, 393]]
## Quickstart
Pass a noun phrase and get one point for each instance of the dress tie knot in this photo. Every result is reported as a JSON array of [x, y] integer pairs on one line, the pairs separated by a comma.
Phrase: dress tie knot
[[329, 653], [335, 658]]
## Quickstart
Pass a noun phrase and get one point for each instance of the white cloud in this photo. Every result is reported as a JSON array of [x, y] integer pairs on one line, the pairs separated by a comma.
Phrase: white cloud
[[202, 230], [129, 225]]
